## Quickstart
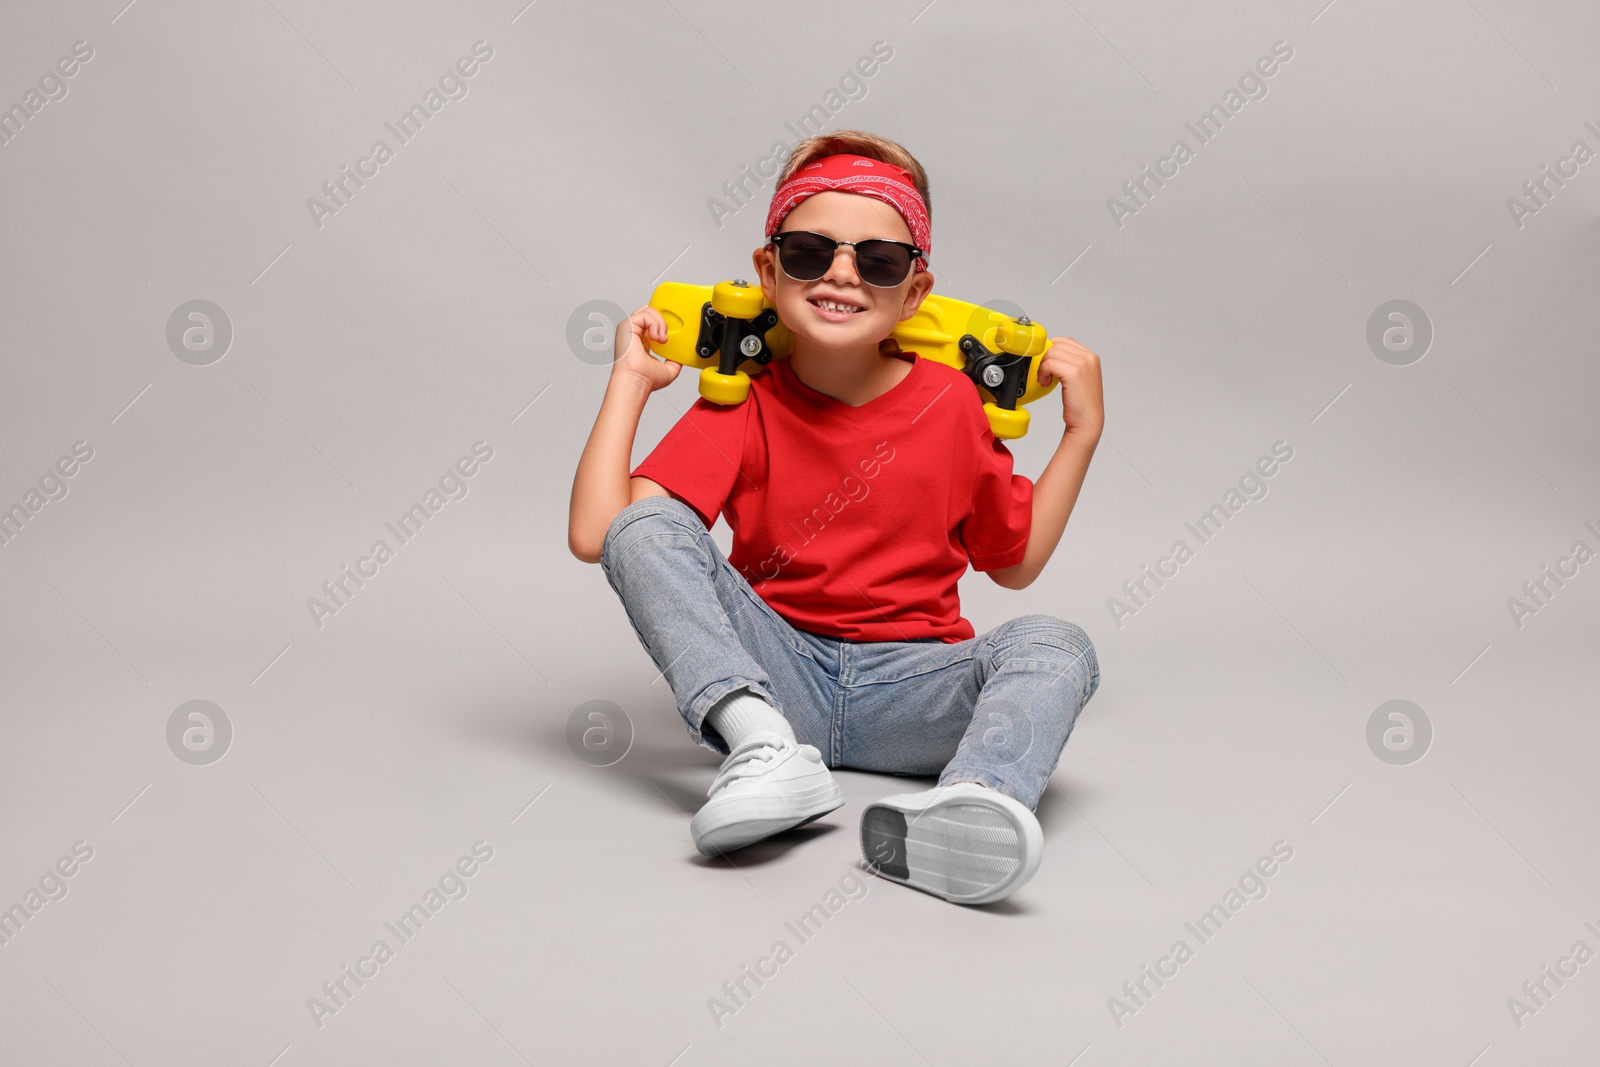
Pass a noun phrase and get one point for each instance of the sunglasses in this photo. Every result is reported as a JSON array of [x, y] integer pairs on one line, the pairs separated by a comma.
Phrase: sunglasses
[[806, 256]]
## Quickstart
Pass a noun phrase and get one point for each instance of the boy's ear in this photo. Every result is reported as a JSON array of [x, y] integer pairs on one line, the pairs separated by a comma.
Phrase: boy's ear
[[766, 273], [921, 286]]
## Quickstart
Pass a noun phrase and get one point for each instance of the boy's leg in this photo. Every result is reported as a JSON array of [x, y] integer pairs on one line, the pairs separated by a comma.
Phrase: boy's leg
[[721, 648], [990, 716], [1039, 672], [705, 628], [996, 709]]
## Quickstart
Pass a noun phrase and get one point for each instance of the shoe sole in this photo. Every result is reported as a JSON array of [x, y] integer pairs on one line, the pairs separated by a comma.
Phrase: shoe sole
[[744, 820], [965, 850]]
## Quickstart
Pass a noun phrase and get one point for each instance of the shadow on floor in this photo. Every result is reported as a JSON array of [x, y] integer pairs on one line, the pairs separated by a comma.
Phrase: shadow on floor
[[664, 769]]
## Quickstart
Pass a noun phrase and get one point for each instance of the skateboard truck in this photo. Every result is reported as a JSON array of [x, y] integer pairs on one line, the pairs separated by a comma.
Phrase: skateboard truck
[[733, 328], [734, 340], [1004, 373]]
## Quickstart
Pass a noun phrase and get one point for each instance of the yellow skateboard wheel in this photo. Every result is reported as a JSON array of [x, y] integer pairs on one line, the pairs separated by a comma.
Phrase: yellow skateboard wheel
[[725, 388], [1005, 423], [1020, 337], [736, 300]]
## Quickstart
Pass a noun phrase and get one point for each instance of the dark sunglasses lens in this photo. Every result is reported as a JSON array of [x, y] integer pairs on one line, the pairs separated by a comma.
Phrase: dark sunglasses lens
[[805, 257], [882, 263]]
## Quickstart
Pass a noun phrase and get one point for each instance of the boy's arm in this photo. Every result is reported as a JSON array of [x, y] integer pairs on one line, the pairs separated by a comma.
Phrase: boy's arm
[[601, 487], [1054, 494], [1056, 489]]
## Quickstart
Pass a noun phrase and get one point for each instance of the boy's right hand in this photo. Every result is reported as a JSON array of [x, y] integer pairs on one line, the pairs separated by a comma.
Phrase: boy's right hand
[[634, 362]]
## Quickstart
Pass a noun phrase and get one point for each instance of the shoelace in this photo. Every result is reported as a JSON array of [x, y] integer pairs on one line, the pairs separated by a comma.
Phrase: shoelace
[[747, 761]]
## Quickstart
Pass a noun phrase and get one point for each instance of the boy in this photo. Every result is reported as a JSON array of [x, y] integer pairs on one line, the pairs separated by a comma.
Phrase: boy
[[860, 481]]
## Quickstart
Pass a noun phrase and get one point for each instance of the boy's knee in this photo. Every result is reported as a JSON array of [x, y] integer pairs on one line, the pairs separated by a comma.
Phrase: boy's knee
[[1048, 637], [1073, 635], [642, 519], [1044, 630]]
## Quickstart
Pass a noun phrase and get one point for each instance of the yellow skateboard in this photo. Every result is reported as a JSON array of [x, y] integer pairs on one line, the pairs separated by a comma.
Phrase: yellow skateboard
[[719, 327]]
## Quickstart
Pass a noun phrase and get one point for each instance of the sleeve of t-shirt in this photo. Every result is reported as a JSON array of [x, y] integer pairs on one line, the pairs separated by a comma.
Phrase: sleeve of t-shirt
[[995, 532], [699, 457]]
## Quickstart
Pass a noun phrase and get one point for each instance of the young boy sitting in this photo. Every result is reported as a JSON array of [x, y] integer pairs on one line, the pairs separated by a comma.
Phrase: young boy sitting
[[859, 481]]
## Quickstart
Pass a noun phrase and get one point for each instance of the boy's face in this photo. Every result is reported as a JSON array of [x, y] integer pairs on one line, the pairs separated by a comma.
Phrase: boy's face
[[844, 217]]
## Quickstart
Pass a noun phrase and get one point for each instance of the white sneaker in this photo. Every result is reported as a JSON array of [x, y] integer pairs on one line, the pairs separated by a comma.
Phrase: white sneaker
[[767, 785], [964, 842]]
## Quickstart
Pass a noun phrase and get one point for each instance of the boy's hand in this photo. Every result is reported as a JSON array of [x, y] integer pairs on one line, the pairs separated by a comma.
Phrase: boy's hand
[[1078, 371], [634, 363]]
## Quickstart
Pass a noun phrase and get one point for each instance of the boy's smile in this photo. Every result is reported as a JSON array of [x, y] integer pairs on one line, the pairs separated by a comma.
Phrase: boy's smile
[[834, 307]]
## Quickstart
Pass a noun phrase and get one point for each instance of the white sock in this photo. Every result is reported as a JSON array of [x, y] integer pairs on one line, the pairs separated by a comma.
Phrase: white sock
[[742, 715]]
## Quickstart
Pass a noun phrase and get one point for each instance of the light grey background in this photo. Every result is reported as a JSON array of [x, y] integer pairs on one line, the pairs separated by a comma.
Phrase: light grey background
[[432, 310]]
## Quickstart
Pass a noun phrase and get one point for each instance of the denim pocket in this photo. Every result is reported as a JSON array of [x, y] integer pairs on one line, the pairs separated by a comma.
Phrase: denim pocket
[[887, 662]]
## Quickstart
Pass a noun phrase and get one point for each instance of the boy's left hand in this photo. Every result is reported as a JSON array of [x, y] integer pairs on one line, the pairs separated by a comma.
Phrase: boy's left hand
[[1078, 371]]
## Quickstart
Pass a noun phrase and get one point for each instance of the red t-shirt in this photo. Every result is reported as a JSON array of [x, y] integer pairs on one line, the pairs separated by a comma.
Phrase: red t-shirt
[[854, 522]]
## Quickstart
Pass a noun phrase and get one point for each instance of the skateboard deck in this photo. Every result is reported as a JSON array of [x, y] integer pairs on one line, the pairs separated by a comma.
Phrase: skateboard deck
[[731, 332]]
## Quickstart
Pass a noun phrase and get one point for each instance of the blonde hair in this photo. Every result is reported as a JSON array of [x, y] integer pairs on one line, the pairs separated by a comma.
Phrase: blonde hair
[[857, 143]]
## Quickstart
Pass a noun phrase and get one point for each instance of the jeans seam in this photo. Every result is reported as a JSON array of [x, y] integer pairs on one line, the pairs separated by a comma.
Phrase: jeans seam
[[764, 608], [841, 698]]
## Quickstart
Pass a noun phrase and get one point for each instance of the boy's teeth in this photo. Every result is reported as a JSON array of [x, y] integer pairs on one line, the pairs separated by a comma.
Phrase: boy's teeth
[[831, 306]]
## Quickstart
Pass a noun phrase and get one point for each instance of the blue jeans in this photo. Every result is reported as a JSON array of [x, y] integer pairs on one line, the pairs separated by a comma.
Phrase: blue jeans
[[995, 709]]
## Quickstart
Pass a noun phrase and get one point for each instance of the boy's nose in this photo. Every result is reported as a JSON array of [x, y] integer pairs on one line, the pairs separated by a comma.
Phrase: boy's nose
[[843, 269]]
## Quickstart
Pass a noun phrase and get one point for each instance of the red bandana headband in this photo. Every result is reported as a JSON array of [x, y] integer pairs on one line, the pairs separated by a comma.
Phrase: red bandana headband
[[856, 174]]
